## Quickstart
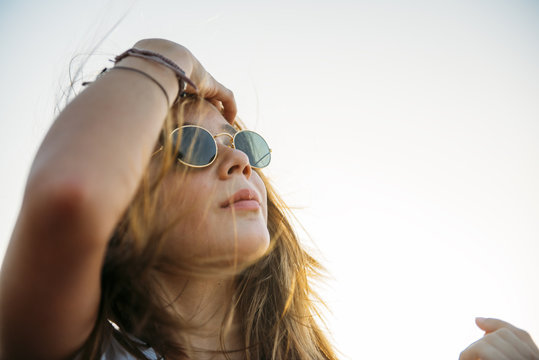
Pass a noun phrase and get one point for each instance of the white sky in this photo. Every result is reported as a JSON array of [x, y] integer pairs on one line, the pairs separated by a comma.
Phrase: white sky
[[405, 131]]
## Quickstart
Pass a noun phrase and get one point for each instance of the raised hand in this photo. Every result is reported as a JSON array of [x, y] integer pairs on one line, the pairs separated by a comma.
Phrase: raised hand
[[207, 86], [502, 341]]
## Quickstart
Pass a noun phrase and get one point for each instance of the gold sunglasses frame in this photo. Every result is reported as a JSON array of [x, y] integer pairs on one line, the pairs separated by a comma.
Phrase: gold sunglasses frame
[[232, 144]]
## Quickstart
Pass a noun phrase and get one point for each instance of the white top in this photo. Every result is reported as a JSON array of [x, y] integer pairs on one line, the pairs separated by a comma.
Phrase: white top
[[113, 350]]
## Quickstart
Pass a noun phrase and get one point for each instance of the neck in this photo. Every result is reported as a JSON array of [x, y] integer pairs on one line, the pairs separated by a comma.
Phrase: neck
[[204, 305]]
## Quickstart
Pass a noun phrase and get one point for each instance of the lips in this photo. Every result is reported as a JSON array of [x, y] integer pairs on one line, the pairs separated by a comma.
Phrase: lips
[[244, 199]]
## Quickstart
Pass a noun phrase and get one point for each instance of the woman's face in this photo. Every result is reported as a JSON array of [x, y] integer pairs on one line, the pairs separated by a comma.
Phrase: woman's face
[[218, 212]]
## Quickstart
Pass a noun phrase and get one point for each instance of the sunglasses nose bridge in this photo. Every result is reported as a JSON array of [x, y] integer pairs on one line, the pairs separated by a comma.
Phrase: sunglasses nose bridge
[[231, 143]]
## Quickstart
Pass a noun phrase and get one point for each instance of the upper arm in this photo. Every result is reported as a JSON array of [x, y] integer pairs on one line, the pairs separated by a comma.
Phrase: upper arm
[[50, 280]]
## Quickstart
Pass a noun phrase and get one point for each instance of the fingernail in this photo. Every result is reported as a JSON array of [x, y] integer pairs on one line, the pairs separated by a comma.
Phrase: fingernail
[[480, 319]]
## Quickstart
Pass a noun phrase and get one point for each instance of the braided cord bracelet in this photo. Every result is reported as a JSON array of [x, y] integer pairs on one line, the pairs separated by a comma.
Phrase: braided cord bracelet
[[158, 58], [105, 70]]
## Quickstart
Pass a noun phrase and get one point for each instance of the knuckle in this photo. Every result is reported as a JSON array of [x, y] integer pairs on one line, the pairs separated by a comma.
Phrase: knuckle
[[481, 346], [229, 93], [526, 335], [490, 335], [470, 352]]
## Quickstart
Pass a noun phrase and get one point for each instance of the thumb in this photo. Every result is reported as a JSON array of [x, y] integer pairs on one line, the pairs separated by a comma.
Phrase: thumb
[[490, 324]]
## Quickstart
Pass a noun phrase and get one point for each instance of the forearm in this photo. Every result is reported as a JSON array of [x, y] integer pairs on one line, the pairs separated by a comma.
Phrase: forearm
[[102, 141], [83, 178]]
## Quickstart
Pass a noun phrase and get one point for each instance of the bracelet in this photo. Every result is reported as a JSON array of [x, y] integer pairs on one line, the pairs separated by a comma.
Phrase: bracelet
[[160, 59], [148, 76], [105, 70]]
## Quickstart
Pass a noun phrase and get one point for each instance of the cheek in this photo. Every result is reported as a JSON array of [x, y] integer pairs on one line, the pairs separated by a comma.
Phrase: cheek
[[185, 204], [261, 187], [199, 228]]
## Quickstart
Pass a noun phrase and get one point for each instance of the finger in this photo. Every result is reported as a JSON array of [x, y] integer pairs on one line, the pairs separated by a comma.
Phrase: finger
[[482, 350], [226, 97], [490, 324], [526, 348], [214, 91], [508, 344], [217, 104]]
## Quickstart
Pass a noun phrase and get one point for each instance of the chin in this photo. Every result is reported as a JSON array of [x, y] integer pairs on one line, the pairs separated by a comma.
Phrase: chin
[[225, 245], [254, 253], [250, 247]]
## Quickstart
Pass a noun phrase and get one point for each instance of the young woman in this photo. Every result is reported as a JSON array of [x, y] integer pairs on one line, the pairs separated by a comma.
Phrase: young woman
[[148, 231]]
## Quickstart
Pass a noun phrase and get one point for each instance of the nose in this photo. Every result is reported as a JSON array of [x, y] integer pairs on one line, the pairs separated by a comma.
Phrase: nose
[[232, 161]]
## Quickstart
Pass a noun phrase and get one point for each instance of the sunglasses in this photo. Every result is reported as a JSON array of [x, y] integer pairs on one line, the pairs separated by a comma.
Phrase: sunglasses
[[197, 146]]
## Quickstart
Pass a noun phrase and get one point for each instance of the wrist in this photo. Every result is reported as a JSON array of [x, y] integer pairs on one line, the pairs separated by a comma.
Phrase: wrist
[[166, 77], [159, 58], [179, 54]]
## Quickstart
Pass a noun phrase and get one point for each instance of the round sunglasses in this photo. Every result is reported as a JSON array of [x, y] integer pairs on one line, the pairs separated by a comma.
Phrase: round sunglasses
[[197, 146]]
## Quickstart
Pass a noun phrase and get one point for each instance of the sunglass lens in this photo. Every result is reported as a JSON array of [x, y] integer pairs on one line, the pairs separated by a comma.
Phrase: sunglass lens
[[255, 147], [197, 147]]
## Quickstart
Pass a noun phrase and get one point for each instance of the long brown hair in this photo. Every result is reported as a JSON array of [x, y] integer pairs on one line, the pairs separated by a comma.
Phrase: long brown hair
[[274, 300]]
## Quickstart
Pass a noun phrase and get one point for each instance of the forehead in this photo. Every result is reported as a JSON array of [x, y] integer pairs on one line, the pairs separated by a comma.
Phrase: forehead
[[206, 115]]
